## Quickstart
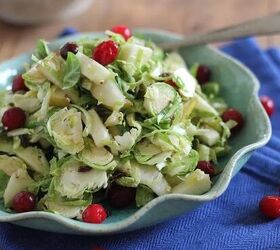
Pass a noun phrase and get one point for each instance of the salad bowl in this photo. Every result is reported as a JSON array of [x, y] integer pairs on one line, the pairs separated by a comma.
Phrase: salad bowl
[[239, 88]]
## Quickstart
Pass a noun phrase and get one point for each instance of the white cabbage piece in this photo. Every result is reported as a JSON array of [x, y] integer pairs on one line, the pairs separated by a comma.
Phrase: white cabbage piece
[[127, 140], [27, 102], [33, 78], [10, 164], [65, 126], [116, 118], [208, 136], [173, 61], [174, 139], [204, 152], [195, 183], [72, 184], [6, 145], [19, 181], [104, 87], [109, 94], [156, 71], [96, 128], [185, 81], [58, 97], [154, 179], [20, 131], [157, 97], [135, 56], [97, 157], [150, 154], [63, 209], [181, 164], [93, 70], [204, 106], [51, 67], [34, 158], [132, 172]]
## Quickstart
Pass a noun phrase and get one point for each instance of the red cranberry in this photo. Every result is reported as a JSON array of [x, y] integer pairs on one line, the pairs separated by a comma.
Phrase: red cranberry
[[106, 52], [24, 202], [69, 47], [120, 197], [270, 206], [207, 167], [13, 118], [94, 213], [233, 114], [122, 30], [203, 74], [18, 84], [268, 104]]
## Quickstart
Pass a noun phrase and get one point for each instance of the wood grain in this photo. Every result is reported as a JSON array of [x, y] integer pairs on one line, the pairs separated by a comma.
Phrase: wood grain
[[182, 16]]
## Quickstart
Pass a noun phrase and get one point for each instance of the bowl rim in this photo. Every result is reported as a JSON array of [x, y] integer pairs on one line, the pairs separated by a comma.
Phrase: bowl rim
[[115, 227]]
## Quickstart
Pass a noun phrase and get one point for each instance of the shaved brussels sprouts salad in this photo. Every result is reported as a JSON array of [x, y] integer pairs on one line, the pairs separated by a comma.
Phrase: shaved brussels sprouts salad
[[112, 119]]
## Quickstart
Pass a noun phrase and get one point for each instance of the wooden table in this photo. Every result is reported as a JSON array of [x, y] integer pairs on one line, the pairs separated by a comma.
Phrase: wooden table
[[183, 16]]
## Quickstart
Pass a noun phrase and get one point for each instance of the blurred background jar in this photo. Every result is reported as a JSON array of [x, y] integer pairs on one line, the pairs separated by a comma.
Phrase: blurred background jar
[[41, 11]]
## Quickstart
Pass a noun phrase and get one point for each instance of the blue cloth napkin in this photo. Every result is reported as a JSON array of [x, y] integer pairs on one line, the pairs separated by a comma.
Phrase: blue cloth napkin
[[232, 221], [68, 31]]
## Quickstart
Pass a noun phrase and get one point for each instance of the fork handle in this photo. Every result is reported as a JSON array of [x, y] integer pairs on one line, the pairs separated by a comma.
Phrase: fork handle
[[267, 25]]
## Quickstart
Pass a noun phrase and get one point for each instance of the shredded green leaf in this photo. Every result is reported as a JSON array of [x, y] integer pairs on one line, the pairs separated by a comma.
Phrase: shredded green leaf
[[72, 71]]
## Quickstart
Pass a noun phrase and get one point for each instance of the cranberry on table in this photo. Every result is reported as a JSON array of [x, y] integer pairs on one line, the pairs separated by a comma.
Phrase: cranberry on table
[[207, 167], [120, 197], [233, 114], [268, 104], [13, 118], [122, 30], [94, 213], [203, 74], [68, 47], [106, 52], [270, 206], [18, 84], [24, 202]]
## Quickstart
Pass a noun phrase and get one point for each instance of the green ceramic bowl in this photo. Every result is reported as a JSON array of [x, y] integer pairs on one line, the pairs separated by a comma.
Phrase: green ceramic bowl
[[239, 87]]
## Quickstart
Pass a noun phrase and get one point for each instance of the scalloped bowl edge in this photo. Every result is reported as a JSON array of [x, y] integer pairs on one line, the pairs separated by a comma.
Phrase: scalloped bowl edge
[[130, 223]]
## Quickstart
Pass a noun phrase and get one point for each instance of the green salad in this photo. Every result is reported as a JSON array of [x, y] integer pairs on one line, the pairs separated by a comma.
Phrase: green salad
[[115, 121]]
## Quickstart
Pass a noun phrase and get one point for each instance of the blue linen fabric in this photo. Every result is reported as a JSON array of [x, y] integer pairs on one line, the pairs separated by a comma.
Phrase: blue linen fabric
[[68, 31], [232, 221]]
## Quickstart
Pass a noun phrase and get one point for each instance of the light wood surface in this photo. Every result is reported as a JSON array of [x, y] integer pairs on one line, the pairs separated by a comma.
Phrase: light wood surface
[[182, 16]]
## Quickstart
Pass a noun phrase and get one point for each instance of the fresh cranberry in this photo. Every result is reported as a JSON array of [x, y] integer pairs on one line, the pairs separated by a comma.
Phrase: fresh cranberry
[[122, 30], [94, 213], [270, 206], [106, 52], [207, 167], [69, 47], [171, 83], [18, 84], [203, 74], [233, 114], [24, 202], [13, 118], [268, 104], [120, 197]]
